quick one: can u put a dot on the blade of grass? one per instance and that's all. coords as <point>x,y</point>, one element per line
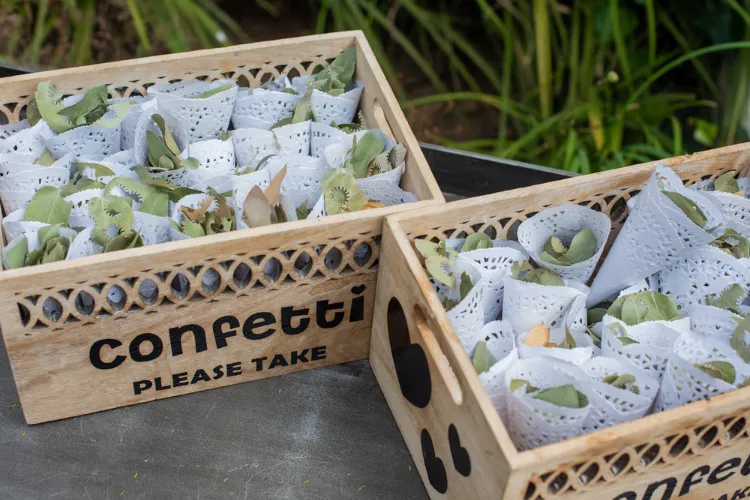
<point>573,113</point>
<point>651,21</point>
<point>140,26</point>
<point>322,17</point>
<point>676,136</point>
<point>543,56</point>
<point>32,53</point>
<point>514,109</point>
<point>226,20</point>
<point>574,54</point>
<point>622,53</point>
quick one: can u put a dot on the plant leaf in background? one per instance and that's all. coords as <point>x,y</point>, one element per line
<point>624,381</point>
<point>705,132</point>
<point>636,308</point>
<point>740,338</point>
<point>566,396</point>
<point>112,216</point>
<point>726,183</point>
<point>90,108</point>
<point>476,241</point>
<point>721,370</point>
<point>730,298</point>
<point>48,206</point>
<point>733,243</point>
<point>583,246</point>
<point>15,255</point>
<point>213,92</point>
<point>544,277</point>
<point>334,79</point>
<point>688,206</point>
<point>341,193</point>
<point>483,359</point>
<point>363,152</point>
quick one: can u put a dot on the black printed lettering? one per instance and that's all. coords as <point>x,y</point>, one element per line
<point>628,495</point>
<point>140,386</point>
<point>95,354</point>
<point>357,312</point>
<point>218,372</point>
<point>175,338</point>
<point>690,481</point>
<point>288,314</point>
<point>200,376</point>
<point>234,369</point>
<point>669,484</point>
<point>318,353</point>
<point>322,308</point>
<point>739,494</point>
<point>278,360</point>
<point>258,363</point>
<point>299,356</point>
<point>719,474</point>
<point>220,336</point>
<point>746,468</point>
<point>159,386</point>
<point>156,347</point>
<point>258,320</point>
<point>179,379</point>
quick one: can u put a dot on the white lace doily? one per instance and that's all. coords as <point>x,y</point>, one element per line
<point>262,107</point>
<point>501,342</point>
<point>216,160</point>
<point>79,214</point>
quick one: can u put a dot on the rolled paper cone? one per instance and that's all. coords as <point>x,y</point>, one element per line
<point>736,212</point>
<point>13,164</point>
<point>241,187</point>
<point>17,191</point>
<point>318,210</point>
<point>527,305</point>
<point>118,170</point>
<point>79,214</point>
<point>89,141</point>
<point>610,405</point>
<point>580,354</point>
<point>327,108</point>
<point>251,145</point>
<point>533,422</point>
<point>15,200</point>
<point>33,243</point>
<point>684,383</point>
<point>129,125</point>
<point>14,225</point>
<point>467,317</point>
<point>385,191</point>
<point>203,118</point>
<point>293,138</point>
<point>338,151</point>
<point>654,341</point>
<point>262,107</point>
<point>564,222</point>
<point>293,162</point>
<point>322,136</point>
<point>216,162</point>
<point>656,234</point>
<point>495,263</point>
<point>704,271</point>
<point>146,124</point>
<point>302,184</point>
<point>19,138</point>
<point>153,229</point>
<point>83,245</point>
<point>712,321</point>
<point>501,342</point>
<point>126,158</point>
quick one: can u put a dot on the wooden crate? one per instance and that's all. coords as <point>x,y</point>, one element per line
<point>700,451</point>
<point>154,347</point>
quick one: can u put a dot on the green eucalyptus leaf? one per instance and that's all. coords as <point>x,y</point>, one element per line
<point>45,159</point>
<point>566,396</point>
<point>190,163</point>
<point>544,277</point>
<point>92,99</point>
<point>192,229</point>
<point>583,246</point>
<point>441,268</point>
<point>465,285</point>
<point>364,151</point>
<point>55,250</point>
<point>348,128</point>
<point>721,370</point>
<point>47,233</point>
<point>476,241</point>
<point>121,110</point>
<point>636,308</point>
<point>726,183</point>
<point>517,383</point>
<point>32,113</point>
<point>123,241</point>
<point>34,258</point>
<point>303,211</point>
<point>283,122</point>
<point>625,381</point>
<point>596,314</point>
<point>49,104</point>
<point>303,110</point>
<point>337,75</point>
<point>483,359</point>
<point>520,268</point>
<point>688,206</point>
<point>733,243</point>
<point>15,256</point>
<point>341,193</point>
<point>569,342</point>
<point>213,92</point>
<point>99,169</point>
<point>739,336</point>
<point>730,298</point>
<point>48,206</point>
<point>594,338</point>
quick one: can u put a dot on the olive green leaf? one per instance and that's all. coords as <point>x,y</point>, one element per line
<point>45,159</point>
<point>594,337</point>
<point>688,206</point>
<point>15,256</point>
<point>110,212</point>
<point>301,111</point>
<point>583,246</point>
<point>91,102</point>
<point>730,298</point>
<point>619,332</point>
<point>363,152</point>
<point>429,249</point>
<point>334,79</point>
<point>483,359</point>
<point>53,246</point>
<point>123,241</point>
<point>49,104</point>
<point>721,370</point>
<point>465,285</point>
<point>636,308</point>
<point>625,381</point>
<point>348,128</point>
<point>566,396</point>
<point>99,169</point>
<point>192,229</point>
<point>341,193</point>
<point>32,113</point>
<point>154,201</point>
<point>303,211</point>
<point>545,277</point>
<point>726,183</point>
<point>520,268</point>
<point>121,110</point>
<point>569,342</point>
<point>48,206</point>
<point>387,160</point>
<point>80,184</point>
<point>739,336</point>
<point>476,241</point>
<point>213,92</point>
<point>173,191</point>
<point>597,313</point>
<point>212,216</point>
<point>517,383</point>
<point>163,151</point>
<point>441,268</point>
<point>733,243</point>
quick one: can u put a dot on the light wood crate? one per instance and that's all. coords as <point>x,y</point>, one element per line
<point>700,451</point>
<point>51,358</point>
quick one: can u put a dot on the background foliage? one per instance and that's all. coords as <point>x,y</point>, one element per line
<point>583,85</point>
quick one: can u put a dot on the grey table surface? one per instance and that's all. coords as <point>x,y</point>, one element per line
<point>318,434</point>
